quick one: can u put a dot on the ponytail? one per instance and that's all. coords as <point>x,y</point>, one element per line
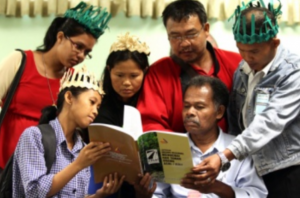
<point>48,113</point>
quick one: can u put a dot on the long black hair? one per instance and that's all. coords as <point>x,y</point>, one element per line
<point>115,57</point>
<point>68,26</point>
<point>51,112</point>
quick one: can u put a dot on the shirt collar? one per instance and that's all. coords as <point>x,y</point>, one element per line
<point>219,144</point>
<point>60,136</point>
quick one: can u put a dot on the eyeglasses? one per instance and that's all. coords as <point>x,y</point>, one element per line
<point>188,37</point>
<point>79,48</point>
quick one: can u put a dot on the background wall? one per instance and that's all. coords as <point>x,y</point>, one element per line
<point>28,33</point>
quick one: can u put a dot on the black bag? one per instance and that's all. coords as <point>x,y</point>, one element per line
<point>48,141</point>
<point>13,86</point>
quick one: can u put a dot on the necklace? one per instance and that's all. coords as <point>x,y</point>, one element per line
<point>49,87</point>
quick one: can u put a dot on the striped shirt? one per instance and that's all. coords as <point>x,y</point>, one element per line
<point>29,169</point>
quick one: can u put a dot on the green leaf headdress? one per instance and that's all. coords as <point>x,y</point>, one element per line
<point>268,29</point>
<point>92,18</point>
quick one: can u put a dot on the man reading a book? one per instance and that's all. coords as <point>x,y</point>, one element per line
<point>204,104</point>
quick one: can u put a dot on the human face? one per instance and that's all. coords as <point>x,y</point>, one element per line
<point>73,50</point>
<point>126,78</point>
<point>258,55</point>
<point>190,44</point>
<point>84,107</point>
<point>200,114</point>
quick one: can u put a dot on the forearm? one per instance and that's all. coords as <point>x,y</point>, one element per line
<point>222,190</point>
<point>62,178</point>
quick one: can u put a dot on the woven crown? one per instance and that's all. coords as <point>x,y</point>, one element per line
<point>131,43</point>
<point>94,19</point>
<point>271,29</point>
<point>81,78</point>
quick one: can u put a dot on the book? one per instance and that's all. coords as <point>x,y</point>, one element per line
<point>165,155</point>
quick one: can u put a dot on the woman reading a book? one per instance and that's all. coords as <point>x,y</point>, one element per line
<point>78,102</point>
<point>68,41</point>
<point>122,78</point>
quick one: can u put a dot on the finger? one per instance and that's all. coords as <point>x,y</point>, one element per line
<point>115,182</point>
<point>208,181</point>
<point>153,188</point>
<point>144,179</point>
<point>147,182</point>
<point>121,181</point>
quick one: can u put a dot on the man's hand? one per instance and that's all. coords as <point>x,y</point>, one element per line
<point>142,189</point>
<point>207,171</point>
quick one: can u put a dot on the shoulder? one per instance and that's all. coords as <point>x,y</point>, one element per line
<point>228,56</point>
<point>162,68</point>
<point>163,63</point>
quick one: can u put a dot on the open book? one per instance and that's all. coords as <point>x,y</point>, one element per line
<point>165,155</point>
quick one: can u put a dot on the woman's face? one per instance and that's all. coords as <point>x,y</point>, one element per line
<point>73,50</point>
<point>84,107</point>
<point>126,78</point>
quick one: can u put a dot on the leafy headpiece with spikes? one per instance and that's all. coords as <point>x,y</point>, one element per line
<point>93,18</point>
<point>267,31</point>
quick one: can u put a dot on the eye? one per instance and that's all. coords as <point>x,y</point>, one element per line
<point>120,75</point>
<point>79,46</point>
<point>93,102</point>
<point>199,107</point>
<point>134,75</point>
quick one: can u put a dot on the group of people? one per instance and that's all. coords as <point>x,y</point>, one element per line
<point>200,90</point>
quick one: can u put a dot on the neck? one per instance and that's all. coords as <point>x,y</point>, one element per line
<point>205,140</point>
<point>67,127</point>
<point>53,66</point>
<point>205,62</point>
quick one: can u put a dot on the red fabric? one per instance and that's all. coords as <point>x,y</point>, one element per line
<point>31,96</point>
<point>160,101</point>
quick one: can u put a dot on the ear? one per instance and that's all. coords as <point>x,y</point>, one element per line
<point>275,42</point>
<point>146,69</point>
<point>206,29</point>
<point>108,68</point>
<point>60,36</point>
<point>220,112</point>
<point>68,97</point>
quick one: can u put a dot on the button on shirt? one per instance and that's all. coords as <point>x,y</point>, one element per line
<point>253,80</point>
<point>241,175</point>
<point>29,169</point>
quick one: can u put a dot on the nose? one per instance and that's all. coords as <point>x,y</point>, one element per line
<point>126,82</point>
<point>190,112</point>
<point>184,42</point>
<point>247,57</point>
<point>95,111</point>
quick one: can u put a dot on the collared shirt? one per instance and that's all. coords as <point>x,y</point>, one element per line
<point>241,175</point>
<point>29,169</point>
<point>253,79</point>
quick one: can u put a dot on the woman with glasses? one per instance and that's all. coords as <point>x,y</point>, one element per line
<point>68,41</point>
<point>122,78</point>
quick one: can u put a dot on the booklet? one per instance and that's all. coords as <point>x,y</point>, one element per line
<point>165,155</point>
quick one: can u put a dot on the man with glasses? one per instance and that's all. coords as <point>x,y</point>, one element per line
<point>160,102</point>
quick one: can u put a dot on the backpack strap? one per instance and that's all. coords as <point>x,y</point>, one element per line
<point>13,87</point>
<point>49,143</point>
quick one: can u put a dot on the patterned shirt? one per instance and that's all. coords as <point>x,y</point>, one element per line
<point>29,169</point>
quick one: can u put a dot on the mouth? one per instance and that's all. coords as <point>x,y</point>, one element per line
<point>74,62</point>
<point>191,124</point>
<point>126,91</point>
<point>92,118</point>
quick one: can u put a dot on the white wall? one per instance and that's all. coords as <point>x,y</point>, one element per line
<point>28,33</point>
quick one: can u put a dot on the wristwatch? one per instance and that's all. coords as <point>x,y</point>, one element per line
<point>225,163</point>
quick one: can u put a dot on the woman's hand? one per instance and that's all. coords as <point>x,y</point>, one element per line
<point>142,189</point>
<point>91,153</point>
<point>110,186</point>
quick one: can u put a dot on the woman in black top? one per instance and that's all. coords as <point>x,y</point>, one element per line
<point>122,78</point>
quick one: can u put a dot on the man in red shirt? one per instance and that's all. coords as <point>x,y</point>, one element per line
<point>160,102</point>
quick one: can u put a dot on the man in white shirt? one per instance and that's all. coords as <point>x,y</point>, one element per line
<point>205,101</point>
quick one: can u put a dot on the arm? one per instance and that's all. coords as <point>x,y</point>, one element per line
<point>152,96</point>
<point>8,69</point>
<point>30,169</point>
<point>282,109</point>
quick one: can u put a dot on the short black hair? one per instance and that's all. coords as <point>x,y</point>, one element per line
<point>182,9</point>
<point>260,19</point>
<point>220,93</point>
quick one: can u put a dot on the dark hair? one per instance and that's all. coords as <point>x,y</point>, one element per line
<point>220,93</point>
<point>181,9</point>
<point>68,26</point>
<point>51,112</point>
<point>260,21</point>
<point>115,57</point>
